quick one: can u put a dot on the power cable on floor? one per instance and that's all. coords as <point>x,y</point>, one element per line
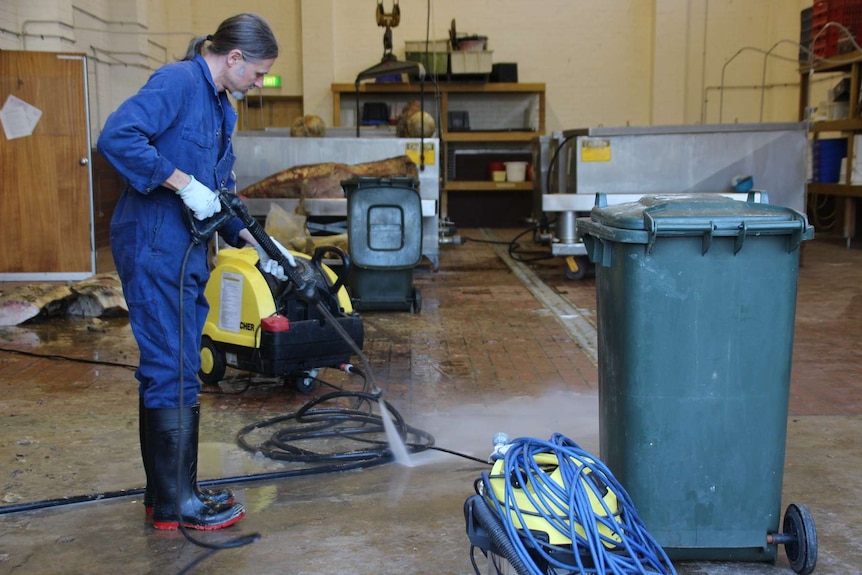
<point>515,249</point>
<point>320,424</point>
<point>246,379</point>
<point>67,358</point>
<point>338,463</point>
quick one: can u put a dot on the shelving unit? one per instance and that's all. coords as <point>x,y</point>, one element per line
<point>257,112</point>
<point>504,119</point>
<point>850,65</point>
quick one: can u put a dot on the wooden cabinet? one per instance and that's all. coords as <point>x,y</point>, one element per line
<point>477,123</point>
<point>257,112</point>
<point>845,191</point>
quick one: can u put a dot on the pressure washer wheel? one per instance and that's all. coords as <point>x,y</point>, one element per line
<point>802,550</point>
<point>213,364</point>
<point>305,381</point>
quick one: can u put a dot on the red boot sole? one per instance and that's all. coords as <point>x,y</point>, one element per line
<point>174,525</point>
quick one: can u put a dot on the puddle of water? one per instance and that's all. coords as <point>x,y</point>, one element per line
<point>470,429</point>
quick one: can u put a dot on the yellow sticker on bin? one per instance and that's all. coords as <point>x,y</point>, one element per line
<point>595,150</point>
<point>411,150</point>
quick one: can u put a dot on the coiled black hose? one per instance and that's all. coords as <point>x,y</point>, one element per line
<point>489,519</point>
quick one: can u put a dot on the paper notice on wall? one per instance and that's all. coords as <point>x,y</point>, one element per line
<point>19,118</point>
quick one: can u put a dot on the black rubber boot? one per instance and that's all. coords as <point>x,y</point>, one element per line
<point>176,497</point>
<point>207,495</point>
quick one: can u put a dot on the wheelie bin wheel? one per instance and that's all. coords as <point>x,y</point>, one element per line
<point>802,551</point>
<point>416,305</point>
<point>212,362</point>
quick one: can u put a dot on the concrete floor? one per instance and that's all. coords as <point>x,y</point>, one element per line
<point>498,346</point>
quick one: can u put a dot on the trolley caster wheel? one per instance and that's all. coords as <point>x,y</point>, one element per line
<point>416,305</point>
<point>213,366</point>
<point>576,267</point>
<point>305,381</point>
<point>802,550</point>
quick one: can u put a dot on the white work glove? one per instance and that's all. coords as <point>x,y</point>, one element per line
<point>271,266</point>
<point>202,201</point>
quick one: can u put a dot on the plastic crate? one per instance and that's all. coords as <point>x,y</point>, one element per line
<point>471,62</point>
<point>431,46</point>
<point>805,25</point>
<point>434,62</point>
<point>833,41</point>
<point>826,159</point>
<point>434,54</point>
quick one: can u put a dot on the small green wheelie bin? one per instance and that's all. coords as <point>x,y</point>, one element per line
<point>384,236</point>
<point>696,302</point>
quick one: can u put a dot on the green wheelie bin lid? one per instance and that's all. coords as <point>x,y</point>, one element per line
<point>703,214</point>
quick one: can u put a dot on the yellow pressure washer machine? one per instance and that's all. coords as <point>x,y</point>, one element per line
<point>276,328</point>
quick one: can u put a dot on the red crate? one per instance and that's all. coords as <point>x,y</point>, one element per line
<point>833,40</point>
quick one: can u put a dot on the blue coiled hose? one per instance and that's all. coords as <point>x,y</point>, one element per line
<point>613,541</point>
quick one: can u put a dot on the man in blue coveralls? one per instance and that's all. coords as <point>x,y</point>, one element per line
<point>172,143</point>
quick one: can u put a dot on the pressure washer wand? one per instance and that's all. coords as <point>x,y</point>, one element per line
<point>305,286</point>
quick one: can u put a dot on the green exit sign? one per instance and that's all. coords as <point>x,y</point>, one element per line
<point>271,81</point>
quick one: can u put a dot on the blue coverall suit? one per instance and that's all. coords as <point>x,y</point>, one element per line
<point>177,120</point>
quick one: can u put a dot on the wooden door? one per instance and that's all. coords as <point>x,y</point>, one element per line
<point>46,224</point>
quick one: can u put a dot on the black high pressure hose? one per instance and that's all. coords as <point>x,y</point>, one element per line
<point>201,231</point>
<point>492,523</point>
<point>325,419</point>
<point>242,540</point>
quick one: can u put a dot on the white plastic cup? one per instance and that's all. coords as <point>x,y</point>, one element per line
<point>516,171</point>
<point>348,118</point>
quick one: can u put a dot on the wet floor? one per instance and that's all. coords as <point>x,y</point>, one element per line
<point>498,346</point>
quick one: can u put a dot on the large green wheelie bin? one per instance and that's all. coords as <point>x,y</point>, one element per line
<point>696,301</point>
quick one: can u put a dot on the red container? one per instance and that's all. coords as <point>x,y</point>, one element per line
<point>495,167</point>
<point>833,40</point>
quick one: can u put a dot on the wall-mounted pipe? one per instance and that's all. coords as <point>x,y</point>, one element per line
<point>24,34</point>
<point>763,70</point>
<point>703,59</point>
<point>163,48</point>
<point>766,54</point>
<point>759,87</point>
<point>109,22</point>
<point>113,53</point>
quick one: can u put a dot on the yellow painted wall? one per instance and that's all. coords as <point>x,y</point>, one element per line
<point>605,62</point>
